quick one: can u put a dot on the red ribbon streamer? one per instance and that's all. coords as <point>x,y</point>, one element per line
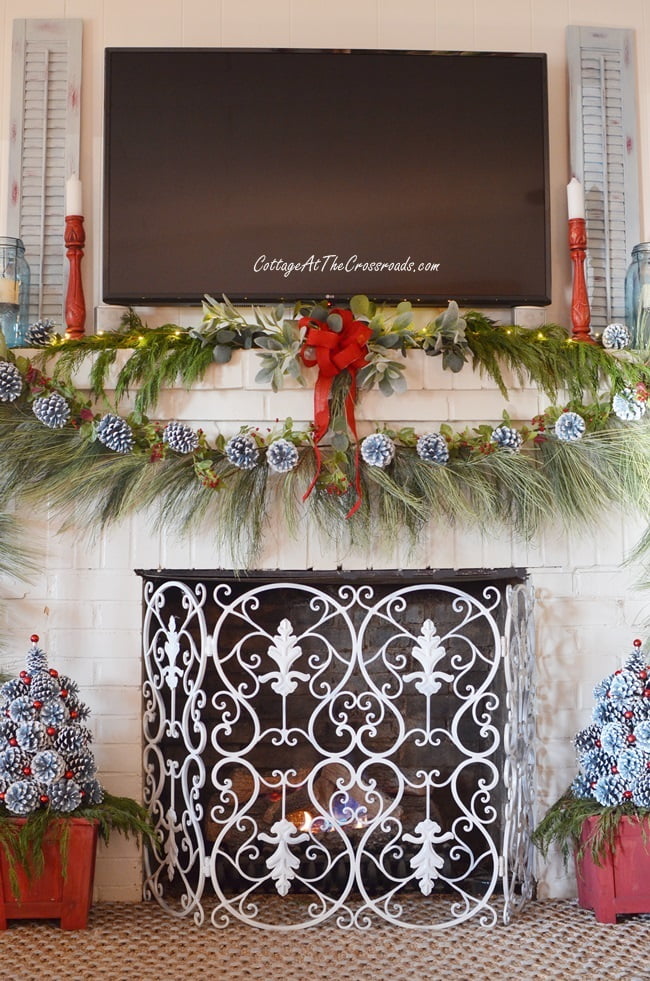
<point>334,352</point>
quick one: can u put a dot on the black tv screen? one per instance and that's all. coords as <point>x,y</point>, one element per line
<point>294,174</point>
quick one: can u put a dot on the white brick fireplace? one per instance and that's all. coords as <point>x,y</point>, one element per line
<point>86,601</point>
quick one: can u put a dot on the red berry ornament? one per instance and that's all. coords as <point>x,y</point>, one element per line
<point>34,638</point>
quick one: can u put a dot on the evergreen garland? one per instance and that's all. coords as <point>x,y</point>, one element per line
<point>235,486</point>
<point>167,355</point>
<point>479,485</point>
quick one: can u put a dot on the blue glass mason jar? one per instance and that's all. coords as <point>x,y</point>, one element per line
<point>14,291</point>
<point>637,296</point>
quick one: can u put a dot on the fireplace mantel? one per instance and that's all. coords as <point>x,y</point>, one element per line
<point>87,599</point>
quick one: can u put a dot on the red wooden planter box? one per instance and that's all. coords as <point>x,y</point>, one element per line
<point>621,884</point>
<point>54,895</point>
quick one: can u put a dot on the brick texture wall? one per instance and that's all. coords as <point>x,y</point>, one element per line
<point>85,603</point>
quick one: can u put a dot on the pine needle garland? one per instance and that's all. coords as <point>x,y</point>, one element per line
<point>481,485</point>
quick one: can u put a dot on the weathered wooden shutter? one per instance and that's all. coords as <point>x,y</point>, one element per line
<point>44,150</point>
<point>604,157</point>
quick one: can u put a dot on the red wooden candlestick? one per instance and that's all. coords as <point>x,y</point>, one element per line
<point>75,305</point>
<point>580,313</point>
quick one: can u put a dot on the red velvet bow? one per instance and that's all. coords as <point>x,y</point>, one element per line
<point>334,352</point>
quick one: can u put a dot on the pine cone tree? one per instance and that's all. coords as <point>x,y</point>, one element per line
<point>44,756</point>
<point>614,751</point>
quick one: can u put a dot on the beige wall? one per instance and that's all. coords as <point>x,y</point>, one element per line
<point>85,604</point>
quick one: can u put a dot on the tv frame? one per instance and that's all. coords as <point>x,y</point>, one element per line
<point>177,298</point>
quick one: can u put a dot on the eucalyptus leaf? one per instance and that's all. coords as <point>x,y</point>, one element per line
<point>399,384</point>
<point>340,441</point>
<point>221,353</point>
<point>226,335</point>
<point>319,313</point>
<point>405,307</point>
<point>269,343</point>
<point>265,374</point>
<point>404,320</point>
<point>453,361</point>
<point>449,317</point>
<point>388,340</point>
<point>335,322</point>
<point>386,386</point>
<point>365,376</point>
<point>360,305</point>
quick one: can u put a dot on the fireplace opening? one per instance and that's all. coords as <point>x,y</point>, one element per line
<point>333,736</point>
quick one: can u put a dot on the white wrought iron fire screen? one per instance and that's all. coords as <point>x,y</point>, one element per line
<point>354,746</point>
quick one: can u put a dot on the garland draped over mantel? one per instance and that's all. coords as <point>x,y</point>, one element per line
<point>95,466</point>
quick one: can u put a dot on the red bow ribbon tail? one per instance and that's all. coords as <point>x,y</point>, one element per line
<point>322,391</point>
<point>352,425</point>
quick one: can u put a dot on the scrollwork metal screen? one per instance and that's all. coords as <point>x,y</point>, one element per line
<point>342,749</point>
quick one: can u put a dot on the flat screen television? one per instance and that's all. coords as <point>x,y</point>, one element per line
<point>303,174</point>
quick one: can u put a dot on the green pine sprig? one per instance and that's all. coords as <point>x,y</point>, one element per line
<point>562,826</point>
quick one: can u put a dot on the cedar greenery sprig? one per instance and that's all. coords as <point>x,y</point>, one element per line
<point>159,356</point>
<point>550,358</point>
